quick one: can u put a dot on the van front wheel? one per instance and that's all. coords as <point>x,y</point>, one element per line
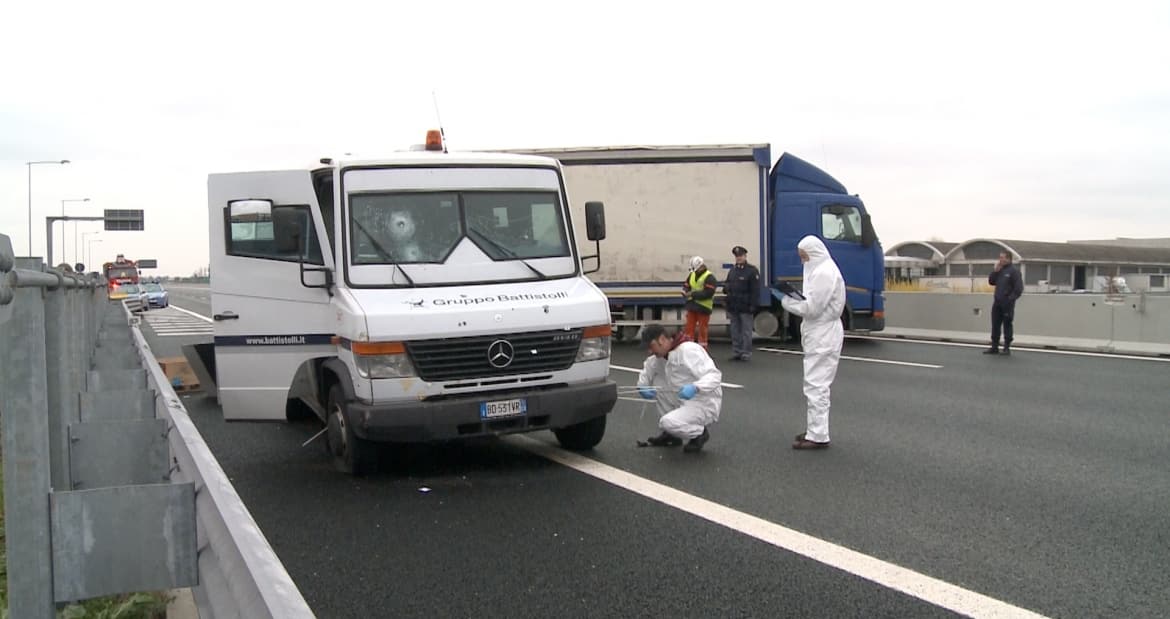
<point>582,436</point>
<point>350,454</point>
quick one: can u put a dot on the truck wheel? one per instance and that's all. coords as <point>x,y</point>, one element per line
<point>765,324</point>
<point>350,454</point>
<point>582,436</point>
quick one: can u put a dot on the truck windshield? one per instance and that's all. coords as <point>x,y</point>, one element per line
<point>425,227</point>
<point>120,273</point>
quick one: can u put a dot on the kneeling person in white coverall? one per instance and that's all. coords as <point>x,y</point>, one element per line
<point>683,380</point>
<point>821,335</point>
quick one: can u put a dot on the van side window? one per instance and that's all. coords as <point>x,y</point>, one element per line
<point>841,223</point>
<point>251,236</point>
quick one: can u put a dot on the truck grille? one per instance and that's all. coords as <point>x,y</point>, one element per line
<point>494,355</point>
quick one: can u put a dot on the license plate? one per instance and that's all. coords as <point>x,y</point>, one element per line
<point>502,408</point>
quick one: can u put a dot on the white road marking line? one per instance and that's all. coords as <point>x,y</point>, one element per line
<point>930,366</point>
<point>187,311</point>
<point>638,371</point>
<point>1049,351</point>
<point>907,581</point>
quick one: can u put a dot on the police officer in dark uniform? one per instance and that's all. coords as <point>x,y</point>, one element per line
<point>742,290</point>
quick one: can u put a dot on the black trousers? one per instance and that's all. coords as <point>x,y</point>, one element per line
<point>1001,318</point>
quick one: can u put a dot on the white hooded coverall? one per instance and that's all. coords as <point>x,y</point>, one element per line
<point>821,332</point>
<point>687,364</point>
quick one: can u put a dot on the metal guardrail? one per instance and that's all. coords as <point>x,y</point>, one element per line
<point>239,573</point>
<point>109,488</point>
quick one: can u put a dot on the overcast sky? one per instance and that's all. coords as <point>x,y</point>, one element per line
<point>1034,120</point>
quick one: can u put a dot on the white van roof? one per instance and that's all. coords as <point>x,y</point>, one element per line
<point>429,158</point>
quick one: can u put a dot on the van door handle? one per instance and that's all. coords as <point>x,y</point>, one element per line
<point>226,316</point>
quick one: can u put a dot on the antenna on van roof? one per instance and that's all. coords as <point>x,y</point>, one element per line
<point>442,134</point>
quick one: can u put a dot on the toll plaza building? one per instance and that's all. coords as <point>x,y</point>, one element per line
<point>1137,265</point>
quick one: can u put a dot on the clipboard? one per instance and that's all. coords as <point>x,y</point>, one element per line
<point>791,292</point>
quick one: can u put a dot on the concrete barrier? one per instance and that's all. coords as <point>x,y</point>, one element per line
<point>1133,323</point>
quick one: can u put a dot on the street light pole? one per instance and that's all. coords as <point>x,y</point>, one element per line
<point>89,250</point>
<point>30,164</point>
<point>83,241</point>
<point>74,229</point>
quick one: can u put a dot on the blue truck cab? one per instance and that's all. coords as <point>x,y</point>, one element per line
<point>803,199</point>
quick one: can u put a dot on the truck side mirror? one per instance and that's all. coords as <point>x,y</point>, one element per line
<point>595,221</point>
<point>868,234</point>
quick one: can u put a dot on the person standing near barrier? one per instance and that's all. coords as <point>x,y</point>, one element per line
<point>819,304</point>
<point>699,292</point>
<point>742,290</point>
<point>1009,285</point>
<point>686,386</point>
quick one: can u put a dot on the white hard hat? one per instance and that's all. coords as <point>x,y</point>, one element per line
<point>696,262</point>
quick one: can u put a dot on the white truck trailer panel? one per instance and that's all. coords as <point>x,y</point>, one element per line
<point>665,204</point>
<point>659,215</point>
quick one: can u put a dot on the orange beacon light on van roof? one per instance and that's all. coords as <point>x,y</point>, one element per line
<point>434,140</point>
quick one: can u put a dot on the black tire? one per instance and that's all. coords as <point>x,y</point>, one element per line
<point>582,436</point>
<point>350,454</point>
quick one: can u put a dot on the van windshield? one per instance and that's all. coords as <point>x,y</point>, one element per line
<point>425,227</point>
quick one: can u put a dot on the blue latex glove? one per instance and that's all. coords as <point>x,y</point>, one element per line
<point>688,392</point>
<point>647,393</point>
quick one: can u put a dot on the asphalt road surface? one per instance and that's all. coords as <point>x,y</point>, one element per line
<point>1038,482</point>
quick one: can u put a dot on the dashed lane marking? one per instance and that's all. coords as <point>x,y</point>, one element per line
<point>637,371</point>
<point>929,366</point>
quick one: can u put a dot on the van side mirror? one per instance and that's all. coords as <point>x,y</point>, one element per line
<point>595,221</point>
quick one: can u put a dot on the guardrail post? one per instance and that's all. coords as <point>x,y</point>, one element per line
<point>24,413</point>
<point>62,396</point>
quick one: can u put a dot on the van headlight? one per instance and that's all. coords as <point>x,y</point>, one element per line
<point>384,366</point>
<point>595,343</point>
<point>382,360</point>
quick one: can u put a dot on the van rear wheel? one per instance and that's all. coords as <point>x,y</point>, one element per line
<point>582,436</point>
<point>349,453</point>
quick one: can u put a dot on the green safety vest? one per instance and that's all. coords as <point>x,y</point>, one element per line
<point>697,285</point>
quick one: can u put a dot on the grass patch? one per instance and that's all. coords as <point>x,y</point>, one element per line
<point>129,606</point>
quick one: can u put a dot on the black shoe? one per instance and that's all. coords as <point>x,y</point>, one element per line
<point>735,358</point>
<point>697,443</point>
<point>662,440</point>
<point>991,351</point>
<point>1006,351</point>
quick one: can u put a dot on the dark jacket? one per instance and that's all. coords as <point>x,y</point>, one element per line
<point>742,288</point>
<point>706,291</point>
<point>1009,285</point>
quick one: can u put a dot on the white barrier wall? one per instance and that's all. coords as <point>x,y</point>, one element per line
<point>1122,318</point>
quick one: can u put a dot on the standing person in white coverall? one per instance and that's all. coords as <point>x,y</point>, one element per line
<point>821,335</point>
<point>683,380</point>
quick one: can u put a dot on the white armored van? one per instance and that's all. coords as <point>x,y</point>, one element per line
<point>428,296</point>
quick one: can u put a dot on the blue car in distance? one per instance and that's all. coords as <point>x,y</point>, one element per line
<point>156,295</point>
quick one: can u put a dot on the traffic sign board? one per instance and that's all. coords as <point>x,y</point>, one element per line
<point>123,219</point>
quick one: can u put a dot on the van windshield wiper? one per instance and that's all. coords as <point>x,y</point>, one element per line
<point>382,252</point>
<point>508,253</point>
<point>409,279</point>
<point>373,241</point>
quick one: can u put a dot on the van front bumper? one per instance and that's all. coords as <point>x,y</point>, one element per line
<point>459,416</point>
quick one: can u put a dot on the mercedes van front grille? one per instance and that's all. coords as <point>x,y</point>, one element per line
<point>494,355</point>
